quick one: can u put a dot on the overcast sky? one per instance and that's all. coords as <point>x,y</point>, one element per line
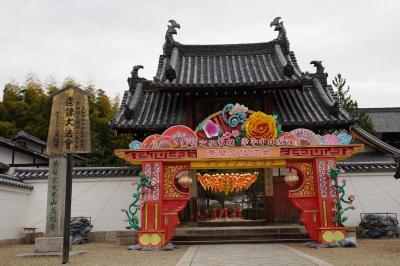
<point>99,41</point>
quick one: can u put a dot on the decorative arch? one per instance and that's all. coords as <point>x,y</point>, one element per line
<point>180,149</point>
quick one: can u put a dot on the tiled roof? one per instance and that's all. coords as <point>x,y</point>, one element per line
<point>386,120</point>
<point>228,65</point>
<point>79,172</point>
<point>23,135</point>
<point>371,161</point>
<point>300,99</point>
<point>309,107</point>
<point>381,159</point>
<point>13,182</point>
<point>369,167</point>
<point>373,141</point>
<point>153,110</point>
<point>158,110</point>
<point>15,145</point>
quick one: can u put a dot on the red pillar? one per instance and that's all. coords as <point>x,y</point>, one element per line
<point>315,198</point>
<point>329,230</point>
<point>161,203</point>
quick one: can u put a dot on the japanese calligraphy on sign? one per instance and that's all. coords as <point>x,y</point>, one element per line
<point>69,129</point>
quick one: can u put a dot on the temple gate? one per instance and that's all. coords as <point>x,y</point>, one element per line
<point>237,138</point>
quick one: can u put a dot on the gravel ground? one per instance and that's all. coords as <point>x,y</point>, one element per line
<point>369,252</point>
<point>97,254</point>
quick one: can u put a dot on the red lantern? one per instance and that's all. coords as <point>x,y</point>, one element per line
<point>291,179</point>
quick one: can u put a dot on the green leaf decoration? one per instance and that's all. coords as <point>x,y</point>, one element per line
<point>201,126</point>
<point>237,140</point>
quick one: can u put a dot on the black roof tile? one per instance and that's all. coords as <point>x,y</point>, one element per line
<point>78,172</point>
<point>385,120</point>
<point>13,182</point>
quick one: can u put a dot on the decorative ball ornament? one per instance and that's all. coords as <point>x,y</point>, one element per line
<point>185,181</point>
<point>291,179</point>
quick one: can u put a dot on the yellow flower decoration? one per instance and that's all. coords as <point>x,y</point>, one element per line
<point>260,125</point>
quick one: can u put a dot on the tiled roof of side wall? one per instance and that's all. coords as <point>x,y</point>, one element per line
<point>13,182</point>
<point>79,172</point>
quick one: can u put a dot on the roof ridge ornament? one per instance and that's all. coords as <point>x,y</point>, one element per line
<point>171,30</point>
<point>135,71</point>
<point>320,73</point>
<point>281,31</point>
<point>134,78</point>
<point>169,38</point>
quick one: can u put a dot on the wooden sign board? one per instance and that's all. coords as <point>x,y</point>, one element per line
<point>69,129</point>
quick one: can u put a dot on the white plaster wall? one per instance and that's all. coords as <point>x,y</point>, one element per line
<point>5,155</point>
<point>22,158</point>
<point>98,198</point>
<point>13,210</point>
<point>375,192</point>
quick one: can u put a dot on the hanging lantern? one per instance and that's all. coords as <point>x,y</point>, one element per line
<point>228,182</point>
<point>291,179</point>
<point>185,181</point>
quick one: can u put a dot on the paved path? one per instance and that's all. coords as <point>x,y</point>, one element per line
<point>247,254</point>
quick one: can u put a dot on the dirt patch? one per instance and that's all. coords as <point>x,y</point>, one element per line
<point>97,254</point>
<point>369,252</point>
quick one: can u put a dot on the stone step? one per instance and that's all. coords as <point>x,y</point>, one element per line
<point>250,230</point>
<point>240,241</point>
<point>240,236</point>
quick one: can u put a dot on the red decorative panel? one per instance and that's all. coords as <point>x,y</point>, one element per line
<point>161,155</point>
<point>316,151</point>
<point>307,186</point>
<point>315,199</point>
<point>170,189</point>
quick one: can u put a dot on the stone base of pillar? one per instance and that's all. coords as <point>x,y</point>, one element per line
<point>49,244</point>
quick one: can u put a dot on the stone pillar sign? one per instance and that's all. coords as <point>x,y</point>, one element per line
<point>69,133</point>
<point>56,196</point>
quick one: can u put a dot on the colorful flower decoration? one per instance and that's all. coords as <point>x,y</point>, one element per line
<point>344,138</point>
<point>158,142</point>
<point>330,139</point>
<point>306,136</point>
<point>134,145</point>
<point>238,108</point>
<point>339,209</point>
<point>288,139</point>
<point>237,114</point>
<point>260,125</point>
<point>211,129</point>
<point>180,134</point>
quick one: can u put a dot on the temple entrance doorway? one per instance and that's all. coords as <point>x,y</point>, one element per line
<point>230,197</point>
<point>261,202</point>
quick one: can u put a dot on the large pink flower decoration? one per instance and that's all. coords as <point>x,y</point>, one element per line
<point>211,129</point>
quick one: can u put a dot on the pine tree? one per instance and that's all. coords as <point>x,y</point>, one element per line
<point>350,105</point>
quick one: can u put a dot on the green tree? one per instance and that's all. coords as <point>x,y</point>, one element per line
<point>7,129</point>
<point>27,107</point>
<point>350,105</point>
